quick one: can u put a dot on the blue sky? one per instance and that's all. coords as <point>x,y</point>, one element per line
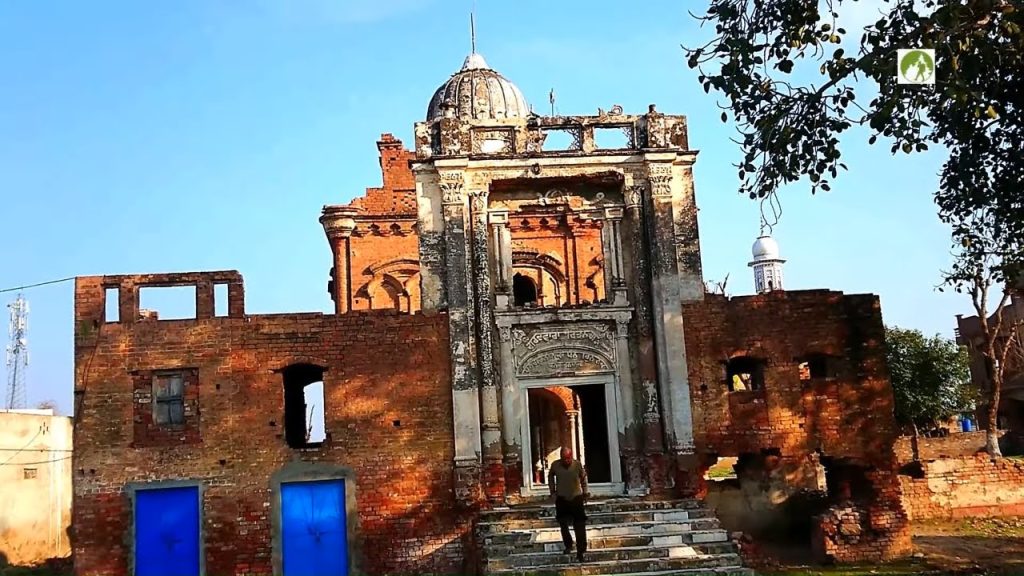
<point>207,134</point>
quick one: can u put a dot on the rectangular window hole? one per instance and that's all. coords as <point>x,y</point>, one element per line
<point>167,303</point>
<point>558,140</point>
<point>617,138</point>
<point>220,300</point>
<point>112,305</point>
<point>31,473</point>
<point>169,399</point>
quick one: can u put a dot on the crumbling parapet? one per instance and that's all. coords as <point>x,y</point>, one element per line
<point>451,137</point>
<point>91,295</point>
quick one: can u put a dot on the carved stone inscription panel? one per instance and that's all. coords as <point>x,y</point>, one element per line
<point>563,349</point>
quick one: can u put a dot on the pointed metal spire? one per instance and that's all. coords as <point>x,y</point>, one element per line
<point>472,28</point>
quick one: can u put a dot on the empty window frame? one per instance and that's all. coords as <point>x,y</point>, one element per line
<point>304,405</point>
<point>815,366</point>
<point>745,374</point>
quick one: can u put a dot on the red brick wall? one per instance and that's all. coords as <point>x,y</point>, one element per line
<point>374,247</point>
<point>385,239</point>
<point>388,414</point>
<point>575,254</point>
<point>952,446</point>
<point>965,486</point>
<point>846,414</point>
<point>849,414</point>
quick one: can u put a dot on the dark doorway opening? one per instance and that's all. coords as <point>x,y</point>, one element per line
<point>524,290</point>
<point>593,410</point>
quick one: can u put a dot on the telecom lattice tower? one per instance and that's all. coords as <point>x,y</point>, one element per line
<point>17,353</point>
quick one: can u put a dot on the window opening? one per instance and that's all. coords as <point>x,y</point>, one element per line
<point>168,302</point>
<point>304,407</point>
<point>745,374</point>
<point>524,290</point>
<point>559,140</point>
<point>112,305</point>
<point>220,300</point>
<point>169,399</point>
<point>613,138</point>
<point>814,367</point>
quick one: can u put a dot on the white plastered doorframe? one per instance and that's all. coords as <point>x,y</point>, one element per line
<point>611,402</point>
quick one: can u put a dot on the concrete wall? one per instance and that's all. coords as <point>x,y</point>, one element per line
<point>35,486</point>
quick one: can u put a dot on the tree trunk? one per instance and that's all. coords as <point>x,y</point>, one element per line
<point>992,430</point>
<point>914,447</point>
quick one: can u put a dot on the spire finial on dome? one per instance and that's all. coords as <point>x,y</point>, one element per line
<point>472,29</point>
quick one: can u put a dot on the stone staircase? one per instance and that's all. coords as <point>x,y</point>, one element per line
<point>643,538</point>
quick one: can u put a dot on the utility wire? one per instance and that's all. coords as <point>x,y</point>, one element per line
<point>61,459</point>
<point>17,288</point>
<point>23,448</point>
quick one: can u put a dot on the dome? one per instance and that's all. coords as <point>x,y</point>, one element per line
<point>765,248</point>
<point>477,93</point>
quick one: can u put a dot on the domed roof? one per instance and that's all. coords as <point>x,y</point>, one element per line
<point>765,248</point>
<point>478,92</point>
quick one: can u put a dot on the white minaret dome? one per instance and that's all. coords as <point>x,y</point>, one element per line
<point>765,247</point>
<point>767,264</point>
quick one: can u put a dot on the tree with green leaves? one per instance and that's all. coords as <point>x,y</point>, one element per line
<point>931,378</point>
<point>795,79</point>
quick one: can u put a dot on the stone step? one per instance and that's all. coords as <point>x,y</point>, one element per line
<point>531,545</point>
<point>727,571</point>
<point>609,505</point>
<point>701,531</point>
<point>528,542</point>
<point>574,570</point>
<point>628,566</point>
<point>599,554</point>
<point>703,517</point>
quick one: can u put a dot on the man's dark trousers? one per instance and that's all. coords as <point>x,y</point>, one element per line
<point>572,511</point>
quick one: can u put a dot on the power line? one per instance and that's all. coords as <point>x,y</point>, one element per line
<point>23,448</point>
<point>62,458</point>
<point>48,282</point>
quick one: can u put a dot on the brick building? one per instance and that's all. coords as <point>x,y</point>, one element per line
<point>497,297</point>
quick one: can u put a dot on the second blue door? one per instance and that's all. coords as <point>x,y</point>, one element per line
<point>313,528</point>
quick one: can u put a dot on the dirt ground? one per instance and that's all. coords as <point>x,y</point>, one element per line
<point>983,547</point>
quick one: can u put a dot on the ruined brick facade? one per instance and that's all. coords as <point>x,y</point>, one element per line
<point>383,420</point>
<point>488,283</point>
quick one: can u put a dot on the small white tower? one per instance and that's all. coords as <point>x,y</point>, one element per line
<point>767,264</point>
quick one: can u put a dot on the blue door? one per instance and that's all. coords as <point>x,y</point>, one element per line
<point>167,532</point>
<point>313,528</point>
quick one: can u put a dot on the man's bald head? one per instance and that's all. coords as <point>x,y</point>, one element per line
<point>566,455</point>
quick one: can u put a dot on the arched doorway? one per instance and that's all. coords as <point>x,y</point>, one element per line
<point>524,290</point>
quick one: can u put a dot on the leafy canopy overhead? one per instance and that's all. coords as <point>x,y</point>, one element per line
<point>930,377</point>
<point>796,79</point>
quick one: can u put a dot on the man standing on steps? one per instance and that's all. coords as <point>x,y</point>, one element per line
<point>568,483</point>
